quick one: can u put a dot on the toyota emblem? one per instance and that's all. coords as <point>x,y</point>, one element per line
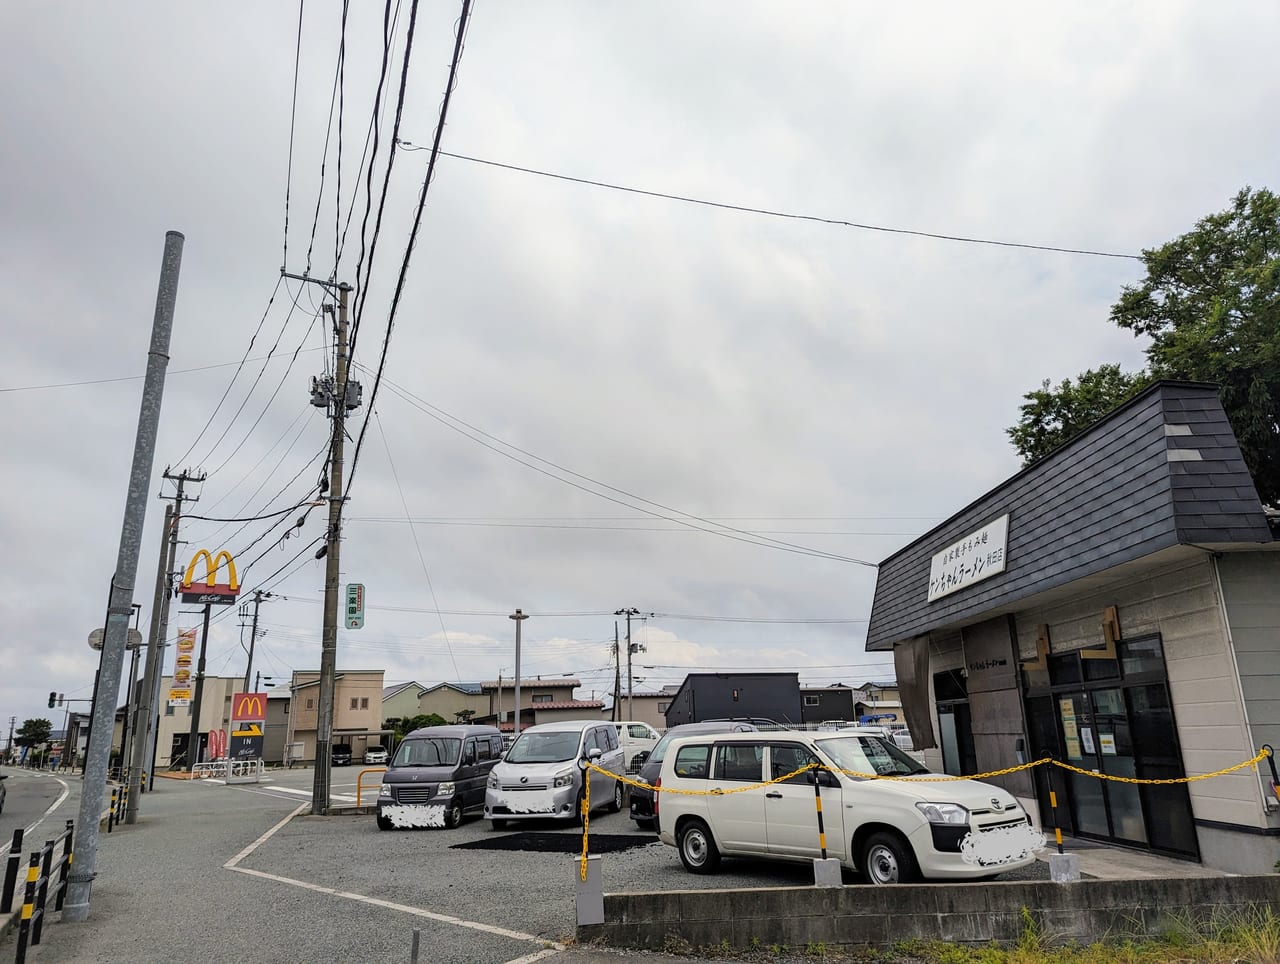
<point>995,802</point>
<point>524,779</point>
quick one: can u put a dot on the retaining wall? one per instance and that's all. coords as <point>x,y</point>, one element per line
<point>1084,911</point>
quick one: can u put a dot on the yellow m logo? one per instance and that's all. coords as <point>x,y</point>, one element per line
<point>212,565</point>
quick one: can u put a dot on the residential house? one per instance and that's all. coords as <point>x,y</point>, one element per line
<point>357,711</point>
<point>448,700</point>
<point>713,696</point>
<point>541,701</point>
<point>400,701</point>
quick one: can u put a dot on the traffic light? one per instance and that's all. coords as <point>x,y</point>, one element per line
<point>53,697</point>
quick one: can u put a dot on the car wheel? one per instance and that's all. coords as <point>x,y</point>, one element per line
<point>385,824</point>
<point>887,859</point>
<point>616,803</point>
<point>498,823</point>
<point>453,815</point>
<point>577,808</point>
<point>698,851</point>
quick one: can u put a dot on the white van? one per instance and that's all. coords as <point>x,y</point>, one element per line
<point>635,737</point>
<point>890,831</point>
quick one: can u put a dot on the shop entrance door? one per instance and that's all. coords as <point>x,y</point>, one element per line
<point>1112,718</point>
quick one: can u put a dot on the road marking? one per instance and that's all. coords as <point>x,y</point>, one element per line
<point>307,793</point>
<point>552,947</point>
<point>529,958</point>
<point>66,790</point>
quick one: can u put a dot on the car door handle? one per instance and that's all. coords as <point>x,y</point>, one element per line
<point>774,795</point>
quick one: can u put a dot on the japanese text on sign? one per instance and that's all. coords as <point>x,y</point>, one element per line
<point>977,556</point>
<point>355,605</point>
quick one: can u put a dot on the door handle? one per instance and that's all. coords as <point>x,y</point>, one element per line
<point>774,795</point>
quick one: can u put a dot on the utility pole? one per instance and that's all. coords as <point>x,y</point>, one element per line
<point>617,674</point>
<point>80,881</point>
<point>258,596</point>
<point>193,738</point>
<point>338,395</point>
<point>631,699</point>
<point>519,617</point>
<point>8,747</point>
<point>153,671</point>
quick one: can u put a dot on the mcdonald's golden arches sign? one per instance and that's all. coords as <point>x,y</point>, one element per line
<point>211,592</point>
<point>248,707</point>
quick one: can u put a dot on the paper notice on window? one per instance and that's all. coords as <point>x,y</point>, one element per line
<point>1086,737</point>
<point>1073,748</point>
<point>1107,743</point>
<point>1069,729</point>
<point>1068,708</point>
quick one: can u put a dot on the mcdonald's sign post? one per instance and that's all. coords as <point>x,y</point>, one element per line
<point>248,713</point>
<point>211,592</point>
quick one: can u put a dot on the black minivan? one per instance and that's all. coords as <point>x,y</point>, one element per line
<point>340,754</point>
<point>437,776</point>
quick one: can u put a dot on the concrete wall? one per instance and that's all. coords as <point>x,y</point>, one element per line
<point>794,917</point>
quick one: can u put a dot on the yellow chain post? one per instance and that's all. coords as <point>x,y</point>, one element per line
<point>586,812</point>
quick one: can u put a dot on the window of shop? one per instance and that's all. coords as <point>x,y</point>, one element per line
<point>1111,716</point>
<point>955,728</point>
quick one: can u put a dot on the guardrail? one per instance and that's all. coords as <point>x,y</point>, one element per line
<point>360,780</point>
<point>40,872</point>
<point>119,801</point>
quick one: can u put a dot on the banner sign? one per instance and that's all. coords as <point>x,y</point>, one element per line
<point>210,592</point>
<point>187,640</point>
<point>247,740</point>
<point>978,556</point>
<point>355,605</point>
<point>179,697</point>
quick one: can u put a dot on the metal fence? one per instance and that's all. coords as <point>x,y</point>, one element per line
<point>46,880</point>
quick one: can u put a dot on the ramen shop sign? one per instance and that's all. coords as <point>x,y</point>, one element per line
<point>978,556</point>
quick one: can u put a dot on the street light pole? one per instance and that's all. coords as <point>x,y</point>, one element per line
<point>519,617</point>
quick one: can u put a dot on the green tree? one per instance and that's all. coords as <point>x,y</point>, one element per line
<point>464,716</point>
<point>33,733</point>
<point>419,721</point>
<point>1210,303</point>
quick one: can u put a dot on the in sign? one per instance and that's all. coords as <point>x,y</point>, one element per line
<point>355,605</point>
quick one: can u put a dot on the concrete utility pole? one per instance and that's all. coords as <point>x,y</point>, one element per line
<point>80,882</point>
<point>258,596</point>
<point>339,396</point>
<point>617,675</point>
<point>631,699</point>
<point>193,737</point>
<point>519,617</point>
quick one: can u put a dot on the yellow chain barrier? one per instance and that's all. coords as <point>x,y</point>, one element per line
<point>1261,755</point>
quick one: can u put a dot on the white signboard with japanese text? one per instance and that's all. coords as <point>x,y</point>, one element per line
<point>974,558</point>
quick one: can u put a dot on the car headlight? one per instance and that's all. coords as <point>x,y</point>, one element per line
<point>444,790</point>
<point>384,790</point>
<point>945,813</point>
<point>563,780</point>
<point>492,783</point>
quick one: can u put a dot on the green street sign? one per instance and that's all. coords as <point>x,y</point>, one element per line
<point>355,605</point>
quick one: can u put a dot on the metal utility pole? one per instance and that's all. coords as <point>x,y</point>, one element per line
<point>258,596</point>
<point>519,617</point>
<point>80,882</point>
<point>130,700</point>
<point>631,699</point>
<point>193,739</point>
<point>144,726</point>
<point>339,395</point>
<point>8,747</point>
<point>617,675</point>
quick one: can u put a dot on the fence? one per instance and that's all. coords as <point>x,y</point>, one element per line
<point>41,871</point>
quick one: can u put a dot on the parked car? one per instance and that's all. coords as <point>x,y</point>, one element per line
<point>375,753</point>
<point>340,754</point>
<point>891,831</point>
<point>437,776</point>
<point>642,811</point>
<point>636,738</point>
<point>541,775</point>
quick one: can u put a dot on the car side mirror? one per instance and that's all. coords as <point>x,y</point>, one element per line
<point>641,758</point>
<point>824,778</point>
<point>594,753</point>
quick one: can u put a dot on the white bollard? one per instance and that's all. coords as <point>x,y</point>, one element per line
<point>590,892</point>
<point>1064,868</point>
<point>826,873</point>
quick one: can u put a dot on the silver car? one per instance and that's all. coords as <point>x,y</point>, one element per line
<point>541,775</point>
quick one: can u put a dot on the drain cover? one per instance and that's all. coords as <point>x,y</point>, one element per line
<point>559,843</point>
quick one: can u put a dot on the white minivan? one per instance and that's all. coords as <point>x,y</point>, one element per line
<point>636,738</point>
<point>890,831</point>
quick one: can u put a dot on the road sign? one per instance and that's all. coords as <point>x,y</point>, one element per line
<point>132,641</point>
<point>355,605</point>
<point>245,747</point>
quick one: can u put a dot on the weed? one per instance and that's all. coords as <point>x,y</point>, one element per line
<point>755,944</point>
<point>816,949</point>
<point>676,945</point>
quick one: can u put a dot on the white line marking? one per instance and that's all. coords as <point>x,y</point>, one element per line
<point>40,819</point>
<point>233,865</point>
<point>307,793</point>
<point>529,958</point>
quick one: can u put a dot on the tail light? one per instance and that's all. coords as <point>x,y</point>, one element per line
<point>657,785</point>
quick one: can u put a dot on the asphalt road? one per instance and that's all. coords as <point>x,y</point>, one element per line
<point>29,795</point>
<point>225,873</point>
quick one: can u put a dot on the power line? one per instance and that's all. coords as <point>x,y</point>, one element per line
<point>838,222</point>
<point>463,20</point>
<point>719,529</point>
<point>293,117</point>
<point>606,528</point>
<point>134,378</point>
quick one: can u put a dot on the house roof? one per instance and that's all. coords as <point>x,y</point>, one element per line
<point>556,683</point>
<point>390,691</point>
<point>569,705</point>
<point>471,689</point>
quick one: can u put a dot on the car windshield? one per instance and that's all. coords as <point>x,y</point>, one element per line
<point>377,749</point>
<point>544,747</point>
<point>870,754</point>
<point>433,751</point>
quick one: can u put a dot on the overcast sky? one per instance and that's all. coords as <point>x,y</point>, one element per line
<point>565,358</point>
